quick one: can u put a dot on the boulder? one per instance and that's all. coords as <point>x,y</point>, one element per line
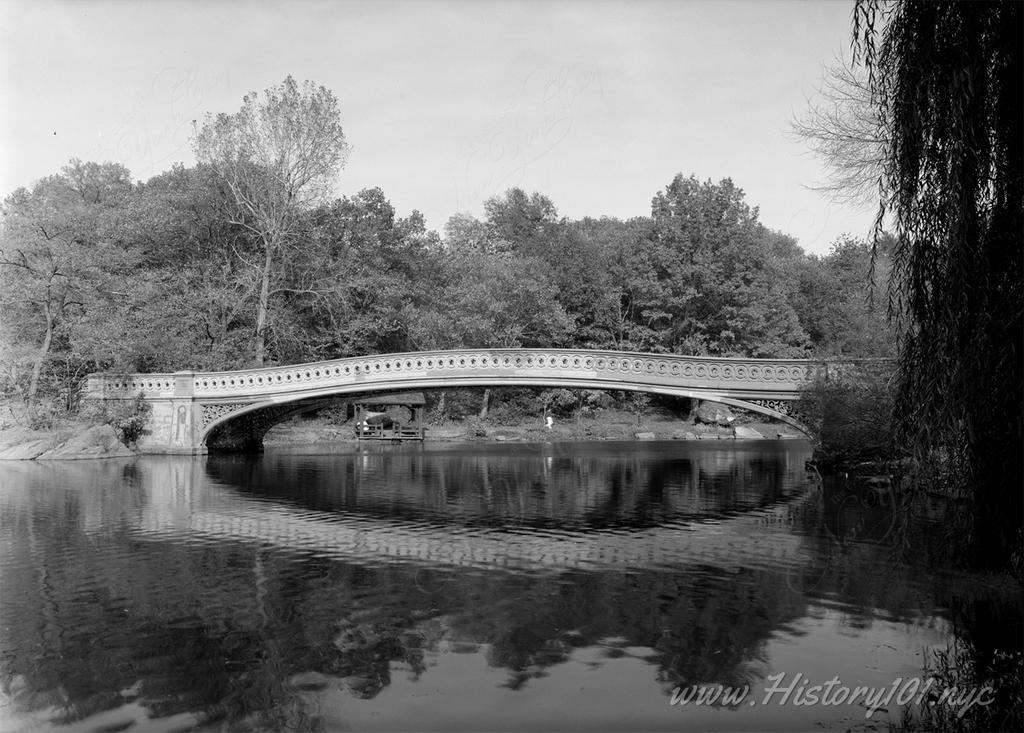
<point>742,432</point>
<point>380,418</point>
<point>308,681</point>
<point>713,413</point>
<point>358,685</point>
<point>26,451</point>
<point>99,441</point>
<point>644,436</point>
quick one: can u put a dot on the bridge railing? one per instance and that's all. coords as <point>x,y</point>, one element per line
<point>614,366</point>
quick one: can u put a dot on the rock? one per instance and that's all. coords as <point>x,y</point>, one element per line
<point>358,685</point>
<point>308,681</point>
<point>644,436</point>
<point>684,435</point>
<point>713,413</point>
<point>356,637</point>
<point>179,723</point>
<point>27,451</point>
<point>742,432</point>
<point>99,441</point>
<point>18,688</point>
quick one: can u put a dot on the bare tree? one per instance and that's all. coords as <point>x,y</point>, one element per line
<point>279,155</point>
<point>843,128</point>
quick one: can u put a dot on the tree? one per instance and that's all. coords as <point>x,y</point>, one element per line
<point>487,296</point>
<point>494,298</point>
<point>843,129</point>
<point>525,221</point>
<point>367,269</point>
<point>599,274</point>
<point>840,300</point>
<point>186,303</point>
<point>278,157</point>
<point>61,241</point>
<point>719,281</point>
<point>947,80</point>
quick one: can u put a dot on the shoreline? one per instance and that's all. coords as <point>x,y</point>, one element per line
<point>82,440</point>
<point>72,440</point>
<point>307,432</point>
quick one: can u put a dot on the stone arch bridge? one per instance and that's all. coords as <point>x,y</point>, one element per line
<point>193,412</point>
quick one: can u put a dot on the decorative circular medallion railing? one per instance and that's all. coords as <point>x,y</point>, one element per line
<point>772,375</point>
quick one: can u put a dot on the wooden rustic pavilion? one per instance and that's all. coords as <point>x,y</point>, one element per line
<point>390,429</point>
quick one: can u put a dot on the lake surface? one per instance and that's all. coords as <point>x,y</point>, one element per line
<point>457,587</point>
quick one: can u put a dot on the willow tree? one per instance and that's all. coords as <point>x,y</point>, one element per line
<point>278,156</point>
<point>947,81</point>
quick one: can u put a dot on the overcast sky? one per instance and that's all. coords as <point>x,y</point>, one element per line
<point>595,104</point>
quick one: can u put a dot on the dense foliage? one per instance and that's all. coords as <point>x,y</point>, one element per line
<point>99,273</point>
<point>247,259</point>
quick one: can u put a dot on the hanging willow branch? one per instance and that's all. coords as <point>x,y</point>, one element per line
<point>946,78</point>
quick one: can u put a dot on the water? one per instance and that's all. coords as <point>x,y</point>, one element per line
<point>469,587</point>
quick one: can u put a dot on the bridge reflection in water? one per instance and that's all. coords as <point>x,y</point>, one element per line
<point>502,510</point>
<point>221,589</point>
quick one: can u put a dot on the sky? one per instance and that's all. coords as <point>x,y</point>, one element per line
<point>596,104</point>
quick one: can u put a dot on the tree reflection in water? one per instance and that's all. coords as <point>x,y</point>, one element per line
<point>112,599</point>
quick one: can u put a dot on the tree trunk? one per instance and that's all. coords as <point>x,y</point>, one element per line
<point>485,402</point>
<point>44,350</point>
<point>260,340</point>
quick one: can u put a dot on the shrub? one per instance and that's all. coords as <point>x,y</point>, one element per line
<point>956,668</point>
<point>126,417</point>
<point>849,414</point>
<point>334,415</point>
<point>42,416</point>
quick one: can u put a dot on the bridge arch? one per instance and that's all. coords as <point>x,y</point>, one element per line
<point>244,429</point>
<point>190,408</point>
